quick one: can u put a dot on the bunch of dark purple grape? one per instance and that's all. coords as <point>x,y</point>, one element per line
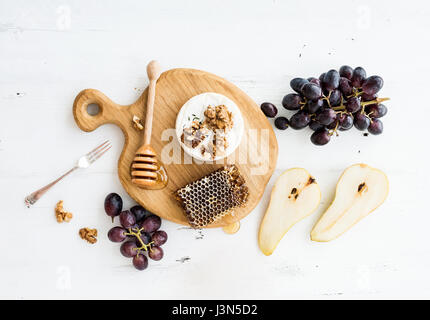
<point>140,229</point>
<point>337,101</point>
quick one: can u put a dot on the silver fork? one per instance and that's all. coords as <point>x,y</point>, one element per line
<point>83,162</point>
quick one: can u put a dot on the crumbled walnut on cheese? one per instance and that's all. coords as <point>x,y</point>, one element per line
<point>194,135</point>
<point>219,121</point>
<point>136,123</point>
<point>219,118</point>
<point>88,234</point>
<point>61,214</point>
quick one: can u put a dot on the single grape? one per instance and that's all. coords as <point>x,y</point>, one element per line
<point>368,97</point>
<point>313,106</point>
<point>352,104</point>
<point>345,86</point>
<point>139,212</point>
<point>314,80</point>
<point>315,125</point>
<point>281,123</point>
<point>358,76</point>
<point>346,121</point>
<point>361,121</point>
<point>335,97</point>
<point>376,110</point>
<point>372,85</point>
<point>320,137</point>
<point>117,234</point>
<point>129,249</point>
<point>376,127</point>
<point>151,223</point>
<point>297,84</point>
<point>326,116</point>
<point>127,219</point>
<point>113,205</point>
<point>269,109</point>
<point>326,92</point>
<point>346,72</point>
<point>156,253</point>
<point>321,78</point>
<point>140,262</point>
<point>312,91</point>
<point>159,237</point>
<point>331,80</point>
<point>292,101</point>
<point>300,120</point>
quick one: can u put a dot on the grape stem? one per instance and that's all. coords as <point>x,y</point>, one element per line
<point>377,100</point>
<point>303,104</point>
<point>332,132</point>
<point>356,93</point>
<point>366,103</point>
<point>137,234</point>
<point>327,98</point>
<point>339,108</point>
<point>363,104</point>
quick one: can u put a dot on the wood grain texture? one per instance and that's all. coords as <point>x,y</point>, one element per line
<point>174,88</point>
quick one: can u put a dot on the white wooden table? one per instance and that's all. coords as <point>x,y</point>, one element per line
<point>49,51</point>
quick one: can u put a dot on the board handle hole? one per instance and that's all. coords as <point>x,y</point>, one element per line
<point>93,109</point>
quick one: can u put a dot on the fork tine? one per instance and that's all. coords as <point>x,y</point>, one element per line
<point>100,154</point>
<point>96,148</point>
<point>99,150</point>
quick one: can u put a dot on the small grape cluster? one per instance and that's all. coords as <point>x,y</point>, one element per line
<point>336,101</point>
<point>140,229</point>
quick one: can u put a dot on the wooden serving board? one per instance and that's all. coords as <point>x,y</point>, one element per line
<point>174,88</point>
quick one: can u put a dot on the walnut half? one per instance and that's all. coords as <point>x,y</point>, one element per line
<point>88,234</point>
<point>61,214</point>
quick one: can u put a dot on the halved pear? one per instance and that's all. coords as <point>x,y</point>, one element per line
<point>294,196</point>
<point>359,191</point>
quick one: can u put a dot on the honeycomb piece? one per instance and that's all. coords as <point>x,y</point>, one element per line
<point>213,196</point>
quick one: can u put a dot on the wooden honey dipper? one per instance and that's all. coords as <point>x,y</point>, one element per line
<point>146,170</point>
